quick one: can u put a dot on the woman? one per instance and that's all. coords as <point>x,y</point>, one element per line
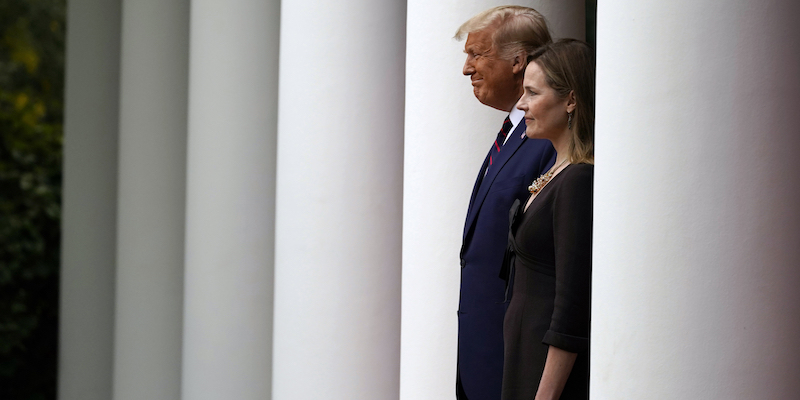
<point>546,327</point>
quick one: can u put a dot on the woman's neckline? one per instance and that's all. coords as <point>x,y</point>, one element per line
<point>529,202</point>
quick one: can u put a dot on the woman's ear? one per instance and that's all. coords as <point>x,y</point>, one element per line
<point>571,102</point>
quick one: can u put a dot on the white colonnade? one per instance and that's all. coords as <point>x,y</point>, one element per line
<point>233,97</point>
<point>697,189</point>
<point>376,129</point>
<point>339,200</point>
<point>448,133</point>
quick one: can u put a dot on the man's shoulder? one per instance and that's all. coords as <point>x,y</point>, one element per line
<point>534,149</point>
<point>532,157</point>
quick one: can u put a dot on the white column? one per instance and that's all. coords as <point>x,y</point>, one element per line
<point>339,194</point>
<point>697,223</point>
<point>152,164</point>
<point>88,244</point>
<point>448,133</point>
<point>230,200</point>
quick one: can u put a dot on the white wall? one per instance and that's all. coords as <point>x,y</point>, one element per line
<point>448,133</point>
<point>696,193</point>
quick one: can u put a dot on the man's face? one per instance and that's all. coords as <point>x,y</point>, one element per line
<point>493,79</point>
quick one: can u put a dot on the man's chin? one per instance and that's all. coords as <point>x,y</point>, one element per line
<point>483,98</point>
<point>492,104</point>
<point>478,95</point>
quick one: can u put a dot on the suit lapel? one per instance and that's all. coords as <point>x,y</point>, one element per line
<point>482,186</point>
<point>475,188</point>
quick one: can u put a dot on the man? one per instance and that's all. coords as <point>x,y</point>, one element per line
<point>498,42</point>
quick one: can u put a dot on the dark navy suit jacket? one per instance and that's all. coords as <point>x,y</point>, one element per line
<point>481,306</point>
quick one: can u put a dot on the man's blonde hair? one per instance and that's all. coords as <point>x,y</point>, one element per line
<point>519,29</point>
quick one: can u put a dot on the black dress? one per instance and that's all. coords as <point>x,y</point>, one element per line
<point>551,297</point>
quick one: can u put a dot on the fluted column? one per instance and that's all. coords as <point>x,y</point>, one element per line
<point>448,133</point>
<point>697,223</point>
<point>339,196</point>
<point>151,205</point>
<point>88,224</point>
<point>230,200</point>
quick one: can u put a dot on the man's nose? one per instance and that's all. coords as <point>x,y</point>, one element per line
<point>469,69</point>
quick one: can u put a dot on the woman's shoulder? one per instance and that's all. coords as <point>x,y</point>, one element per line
<point>580,168</point>
<point>578,171</point>
<point>576,177</point>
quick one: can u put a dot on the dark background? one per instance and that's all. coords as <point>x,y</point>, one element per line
<point>31,94</point>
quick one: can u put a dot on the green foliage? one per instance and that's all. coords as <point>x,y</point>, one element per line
<point>31,95</point>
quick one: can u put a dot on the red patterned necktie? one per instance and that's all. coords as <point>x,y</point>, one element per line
<point>501,138</point>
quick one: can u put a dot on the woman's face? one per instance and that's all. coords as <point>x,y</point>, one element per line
<point>545,113</point>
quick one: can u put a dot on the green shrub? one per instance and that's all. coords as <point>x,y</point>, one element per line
<point>31,96</point>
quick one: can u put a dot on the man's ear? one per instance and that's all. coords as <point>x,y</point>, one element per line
<point>518,63</point>
<point>571,102</point>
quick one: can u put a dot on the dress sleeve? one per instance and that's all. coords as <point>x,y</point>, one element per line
<point>572,235</point>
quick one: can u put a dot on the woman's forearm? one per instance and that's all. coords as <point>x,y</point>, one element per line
<point>556,371</point>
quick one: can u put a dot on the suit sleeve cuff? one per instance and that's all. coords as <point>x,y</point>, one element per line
<point>572,344</point>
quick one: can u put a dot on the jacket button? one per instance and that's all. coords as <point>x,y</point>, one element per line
<point>463,263</point>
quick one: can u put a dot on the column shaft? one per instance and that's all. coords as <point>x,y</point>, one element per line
<point>339,194</point>
<point>151,207</point>
<point>697,222</point>
<point>88,247</point>
<point>230,200</point>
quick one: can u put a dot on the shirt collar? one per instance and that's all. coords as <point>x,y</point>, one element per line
<point>515,116</point>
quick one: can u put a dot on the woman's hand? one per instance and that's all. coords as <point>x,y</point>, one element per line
<point>556,371</point>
